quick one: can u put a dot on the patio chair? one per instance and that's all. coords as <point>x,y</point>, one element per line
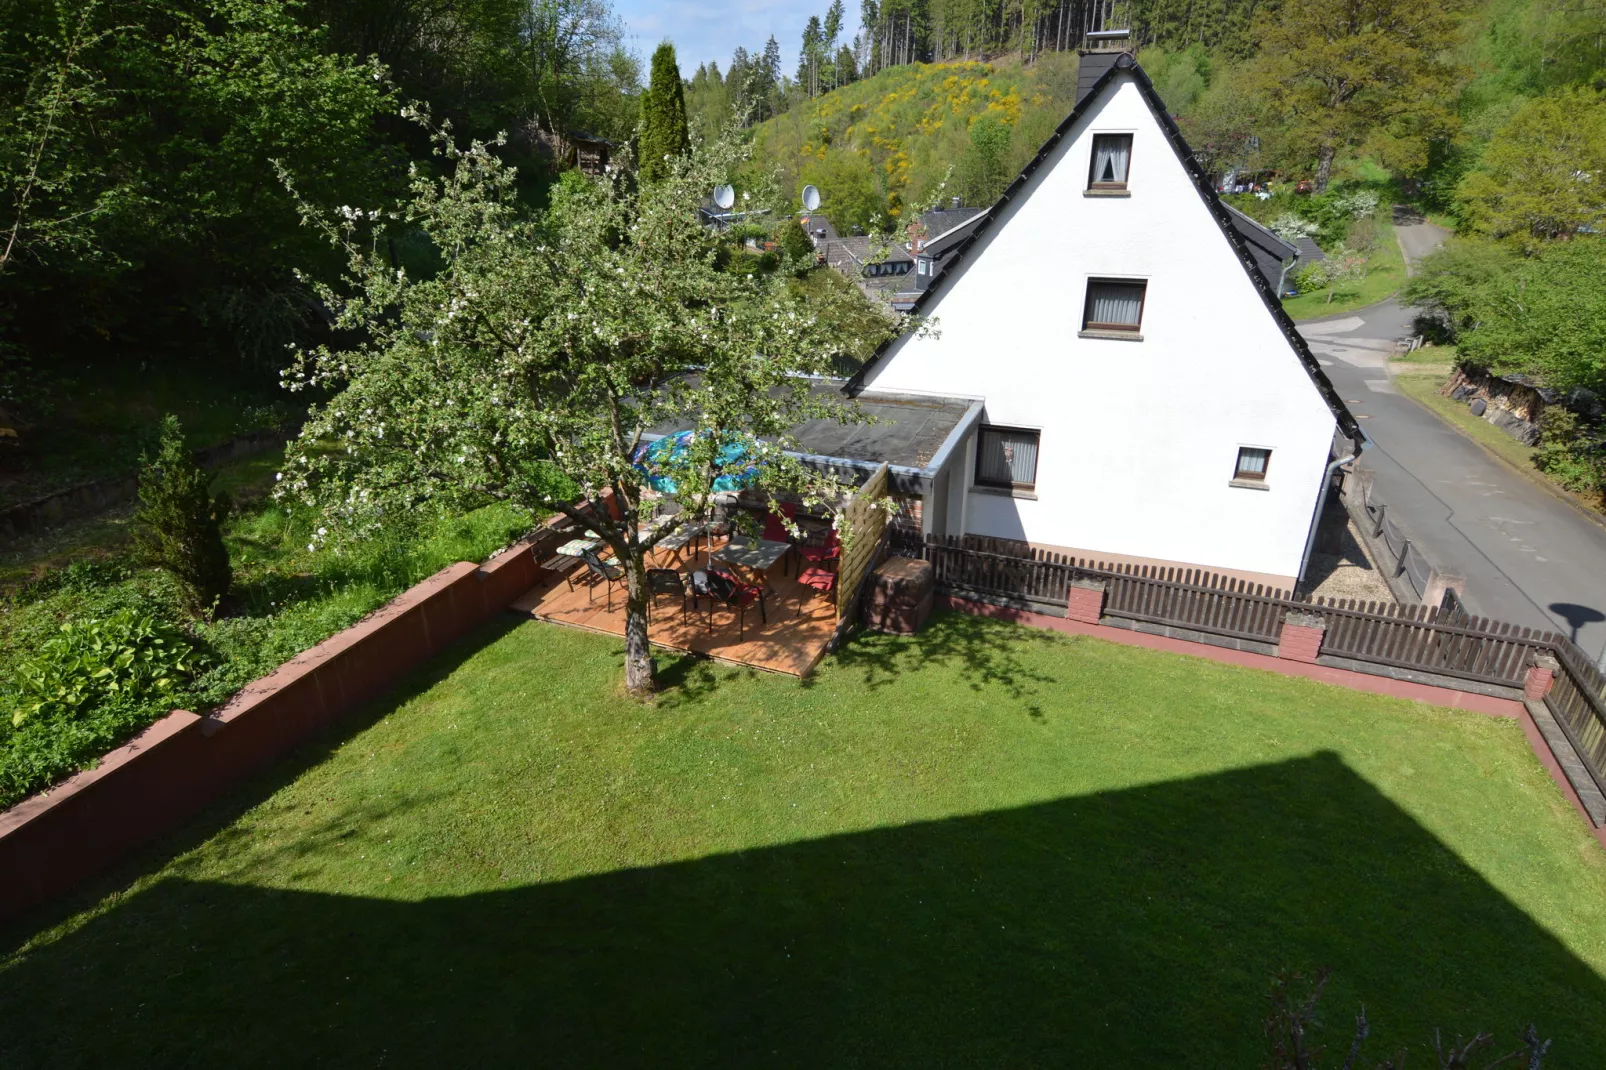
<point>732,594</point>
<point>826,552</point>
<point>819,579</point>
<point>775,526</point>
<point>662,581</point>
<point>607,571</point>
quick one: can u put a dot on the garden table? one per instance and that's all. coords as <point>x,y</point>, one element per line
<point>686,536</point>
<point>576,547</point>
<point>759,555</point>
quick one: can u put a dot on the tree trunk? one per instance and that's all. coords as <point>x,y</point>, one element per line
<point>640,672</point>
<point>1324,167</point>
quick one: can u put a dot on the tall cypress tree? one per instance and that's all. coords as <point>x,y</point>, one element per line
<point>663,116</point>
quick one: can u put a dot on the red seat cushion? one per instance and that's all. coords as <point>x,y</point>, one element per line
<point>818,578</point>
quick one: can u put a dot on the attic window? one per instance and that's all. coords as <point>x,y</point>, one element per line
<point>1111,154</point>
<point>1252,464</point>
<point>1113,305</point>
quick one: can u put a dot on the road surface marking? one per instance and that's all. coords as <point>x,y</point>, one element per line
<point>1379,386</point>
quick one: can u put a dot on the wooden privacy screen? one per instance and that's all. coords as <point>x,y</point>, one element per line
<point>865,521</point>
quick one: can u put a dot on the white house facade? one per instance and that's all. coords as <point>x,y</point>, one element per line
<point>1142,396</point>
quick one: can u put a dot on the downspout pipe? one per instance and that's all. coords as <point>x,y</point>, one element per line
<point>1364,442</point>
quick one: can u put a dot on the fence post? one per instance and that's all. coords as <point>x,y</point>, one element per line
<point>1541,675</point>
<point>1302,634</point>
<point>1084,602</point>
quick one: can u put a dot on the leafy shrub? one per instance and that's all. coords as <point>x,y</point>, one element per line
<point>1569,453</point>
<point>795,243</point>
<point>128,657</point>
<point>178,525</point>
<point>1290,227</point>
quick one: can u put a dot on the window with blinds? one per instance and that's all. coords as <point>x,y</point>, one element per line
<point>1007,457</point>
<point>1111,155</point>
<point>1113,305</point>
<point>1252,463</point>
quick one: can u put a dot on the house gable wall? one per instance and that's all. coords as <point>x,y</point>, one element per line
<point>1139,438</point>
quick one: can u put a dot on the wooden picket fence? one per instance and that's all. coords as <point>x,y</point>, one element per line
<point>1445,640</point>
<point>1428,639</point>
<point>1578,701</point>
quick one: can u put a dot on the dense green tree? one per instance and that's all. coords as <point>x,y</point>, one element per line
<point>138,143</point>
<point>1543,174</point>
<point>848,190</point>
<point>1372,75</point>
<point>664,133</point>
<point>983,171</point>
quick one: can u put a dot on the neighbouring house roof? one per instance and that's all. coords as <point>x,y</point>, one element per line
<point>942,220</point>
<point>1272,254</point>
<point>1309,251</point>
<point>1106,71</point>
<point>943,242</point>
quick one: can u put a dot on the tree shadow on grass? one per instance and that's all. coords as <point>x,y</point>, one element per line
<point>988,653</point>
<point>1125,928</point>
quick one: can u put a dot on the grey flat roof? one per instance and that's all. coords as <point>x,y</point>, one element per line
<point>908,429</point>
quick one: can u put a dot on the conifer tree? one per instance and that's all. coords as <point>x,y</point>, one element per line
<point>178,524</point>
<point>663,116</point>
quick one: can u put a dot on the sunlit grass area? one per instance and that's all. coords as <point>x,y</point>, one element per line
<point>981,846</point>
<point>1385,274</point>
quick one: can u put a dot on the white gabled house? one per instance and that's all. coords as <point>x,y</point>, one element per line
<point>1136,392</point>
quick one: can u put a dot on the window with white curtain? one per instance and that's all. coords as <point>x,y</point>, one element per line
<point>1111,155</point>
<point>1252,463</point>
<point>1113,305</point>
<point>1007,457</point>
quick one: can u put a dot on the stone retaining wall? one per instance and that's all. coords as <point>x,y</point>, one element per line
<point>166,774</point>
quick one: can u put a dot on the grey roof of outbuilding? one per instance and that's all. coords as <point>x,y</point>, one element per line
<point>1309,251</point>
<point>905,431</point>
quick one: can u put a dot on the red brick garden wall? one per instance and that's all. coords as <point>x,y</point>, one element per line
<point>166,774</point>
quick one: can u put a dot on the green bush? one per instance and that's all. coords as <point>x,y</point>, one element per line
<point>128,657</point>
<point>1570,453</point>
<point>795,244</point>
<point>178,525</point>
<point>67,627</point>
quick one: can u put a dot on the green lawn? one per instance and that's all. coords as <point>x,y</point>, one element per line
<point>984,846</point>
<point>1385,274</point>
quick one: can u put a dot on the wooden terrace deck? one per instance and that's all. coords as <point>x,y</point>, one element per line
<point>801,620</point>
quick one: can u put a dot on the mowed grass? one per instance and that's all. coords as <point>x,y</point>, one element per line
<point>982,846</point>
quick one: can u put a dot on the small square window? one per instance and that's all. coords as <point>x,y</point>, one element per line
<point>1113,305</point>
<point>1252,464</point>
<point>1007,457</point>
<point>1111,155</point>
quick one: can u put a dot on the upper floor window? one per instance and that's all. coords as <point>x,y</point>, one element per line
<point>1111,155</point>
<point>1113,305</point>
<point>1006,457</point>
<point>1252,464</point>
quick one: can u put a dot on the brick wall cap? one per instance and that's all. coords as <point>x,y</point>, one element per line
<point>1088,583</point>
<point>1300,618</point>
<point>1544,661</point>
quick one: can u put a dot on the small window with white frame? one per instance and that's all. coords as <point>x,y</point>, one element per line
<point>1006,458</point>
<point>1253,461</point>
<point>1112,157</point>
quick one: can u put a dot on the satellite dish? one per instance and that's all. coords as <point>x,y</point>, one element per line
<point>811,198</point>
<point>724,195</point>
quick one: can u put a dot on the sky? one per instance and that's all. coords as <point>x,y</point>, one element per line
<point>704,30</point>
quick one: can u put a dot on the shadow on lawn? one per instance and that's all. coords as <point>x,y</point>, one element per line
<point>1127,928</point>
<point>988,653</point>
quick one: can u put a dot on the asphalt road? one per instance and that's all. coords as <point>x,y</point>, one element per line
<point>1528,556</point>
